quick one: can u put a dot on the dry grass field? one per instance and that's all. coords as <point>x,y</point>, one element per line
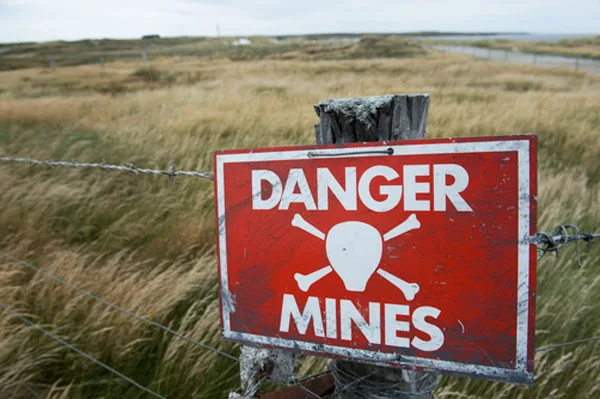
<point>148,244</point>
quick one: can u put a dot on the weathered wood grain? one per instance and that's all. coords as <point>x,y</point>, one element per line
<point>384,122</point>
<point>398,117</point>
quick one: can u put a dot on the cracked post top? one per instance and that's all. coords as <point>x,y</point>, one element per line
<point>360,107</point>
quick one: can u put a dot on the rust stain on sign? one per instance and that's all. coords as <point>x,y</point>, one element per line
<point>406,254</point>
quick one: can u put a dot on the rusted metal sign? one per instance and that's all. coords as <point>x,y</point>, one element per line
<point>407,254</point>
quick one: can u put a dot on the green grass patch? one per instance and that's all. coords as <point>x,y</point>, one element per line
<point>522,85</point>
<point>270,90</point>
<point>150,74</point>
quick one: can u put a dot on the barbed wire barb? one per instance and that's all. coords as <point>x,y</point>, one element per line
<point>563,235</point>
<point>117,307</point>
<point>79,351</point>
<point>171,172</point>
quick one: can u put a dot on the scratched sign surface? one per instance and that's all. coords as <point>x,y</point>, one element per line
<point>407,254</point>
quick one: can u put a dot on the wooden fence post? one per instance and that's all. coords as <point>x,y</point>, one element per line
<point>102,62</point>
<point>52,63</point>
<point>257,364</point>
<point>398,117</point>
<point>145,56</point>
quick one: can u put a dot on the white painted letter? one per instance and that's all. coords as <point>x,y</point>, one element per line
<point>412,188</point>
<point>326,182</point>
<point>441,191</point>
<point>393,325</point>
<point>436,335</point>
<point>331,317</point>
<point>392,193</point>
<point>297,178</point>
<point>312,311</point>
<point>257,201</point>
<point>349,314</point>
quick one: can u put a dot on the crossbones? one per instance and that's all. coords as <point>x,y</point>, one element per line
<point>372,237</point>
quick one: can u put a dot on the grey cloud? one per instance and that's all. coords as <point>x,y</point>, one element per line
<point>22,20</point>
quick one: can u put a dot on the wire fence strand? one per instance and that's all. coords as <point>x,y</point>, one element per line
<point>544,241</point>
<point>172,172</point>
<point>307,391</point>
<point>117,307</point>
<point>78,351</point>
<point>577,342</point>
<point>347,384</point>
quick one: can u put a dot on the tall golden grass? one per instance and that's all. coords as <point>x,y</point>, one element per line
<point>148,244</point>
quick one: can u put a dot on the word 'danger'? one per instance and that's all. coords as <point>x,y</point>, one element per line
<point>415,259</point>
<point>297,190</point>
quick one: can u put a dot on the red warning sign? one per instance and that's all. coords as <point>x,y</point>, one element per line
<point>407,254</point>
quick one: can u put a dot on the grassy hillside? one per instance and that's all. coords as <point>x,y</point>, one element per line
<point>94,52</point>
<point>149,244</point>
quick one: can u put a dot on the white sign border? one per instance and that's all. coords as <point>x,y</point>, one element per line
<point>521,146</point>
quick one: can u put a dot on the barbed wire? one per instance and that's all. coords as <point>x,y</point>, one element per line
<point>544,241</point>
<point>353,380</point>
<point>343,379</point>
<point>577,342</point>
<point>307,391</point>
<point>563,235</point>
<point>172,172</point>
<point>297,382</point>
<point>78,351</point>
<point>381,388</point>
<point>116,307</point>
<point>349,384</point>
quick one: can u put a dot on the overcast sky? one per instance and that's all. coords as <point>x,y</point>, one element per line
<point>40,20</point>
